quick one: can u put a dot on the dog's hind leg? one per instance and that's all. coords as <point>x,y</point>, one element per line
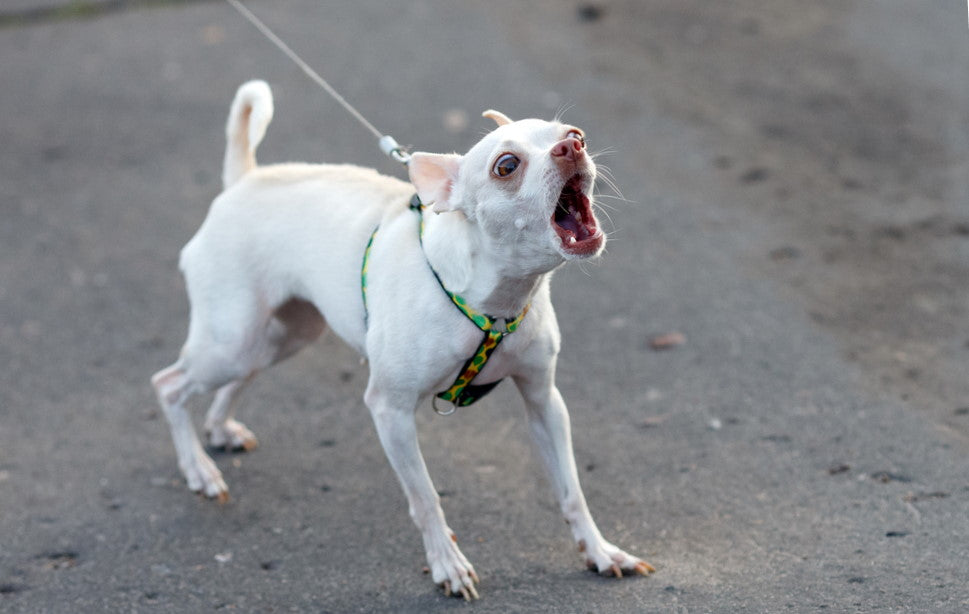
<point>223,429</point>
<point>294,325</point>
<point>218,352</point>
<point>174,387</point>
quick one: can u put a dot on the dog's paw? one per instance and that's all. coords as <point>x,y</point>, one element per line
<point>450,570</point>
<point>232,435</point>
<point>205,478</point>
<point>608,560</point>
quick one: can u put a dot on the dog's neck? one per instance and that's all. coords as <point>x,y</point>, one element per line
<point>490,281</point>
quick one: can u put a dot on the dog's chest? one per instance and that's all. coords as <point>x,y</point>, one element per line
<point>422,335</point>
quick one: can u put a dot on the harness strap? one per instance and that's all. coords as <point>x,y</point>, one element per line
<point>462,392</point>
<point>363,275</point>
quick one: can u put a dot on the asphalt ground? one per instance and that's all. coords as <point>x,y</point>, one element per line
<point>795,180</point>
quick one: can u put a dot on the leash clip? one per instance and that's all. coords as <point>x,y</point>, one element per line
<point>391,148</point>
<point>387,143</point>
<point>443,412</point>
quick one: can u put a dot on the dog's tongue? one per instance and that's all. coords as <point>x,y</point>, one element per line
<point>575,226</point>
<point>574,222</point>
<point>570,214</point>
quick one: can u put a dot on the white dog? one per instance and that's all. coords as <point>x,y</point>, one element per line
<point>288,249</point>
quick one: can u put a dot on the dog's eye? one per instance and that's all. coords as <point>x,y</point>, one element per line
<point>506,165</point>
<point>575,134</point>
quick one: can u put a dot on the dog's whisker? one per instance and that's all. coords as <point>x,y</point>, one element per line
<point>609,219</point>
<point>599,201</point>
<point>606,152</point>
<point>563,108</point>
<point>582,268</point>
<point>617,197</point>
<point>607,177</point>
<point>605,173</point>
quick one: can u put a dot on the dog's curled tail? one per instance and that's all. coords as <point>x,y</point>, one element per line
<point>250,114</point>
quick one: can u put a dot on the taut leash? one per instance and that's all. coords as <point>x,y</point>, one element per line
<point>386,142</point>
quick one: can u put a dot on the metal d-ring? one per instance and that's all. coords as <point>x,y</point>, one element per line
<point>444,412</point>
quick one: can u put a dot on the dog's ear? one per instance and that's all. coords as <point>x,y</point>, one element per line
<point>500,118</point>
<point>434,176</point>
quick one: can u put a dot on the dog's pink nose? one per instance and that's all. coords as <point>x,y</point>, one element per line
<point>567,148</point>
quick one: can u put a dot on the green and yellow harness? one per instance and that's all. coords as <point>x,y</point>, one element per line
<point>462,392</point>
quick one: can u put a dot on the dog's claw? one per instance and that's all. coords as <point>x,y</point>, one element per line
<point>467,592</point>
<point>233,436</point>
<point>204,478</point>
<point>221,497</point>
<point>609,561</point>
<point>448,566</point>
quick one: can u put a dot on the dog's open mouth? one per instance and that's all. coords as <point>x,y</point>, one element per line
<point>574,222</point>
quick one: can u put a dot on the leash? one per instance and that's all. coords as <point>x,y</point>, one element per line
<point>386,142</point>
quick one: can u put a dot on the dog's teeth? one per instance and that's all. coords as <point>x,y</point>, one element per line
<point>571,240</point>
<point>577,216</point>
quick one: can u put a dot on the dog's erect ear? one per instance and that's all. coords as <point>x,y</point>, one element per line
<point>500,118</point>
<point>434,176</point>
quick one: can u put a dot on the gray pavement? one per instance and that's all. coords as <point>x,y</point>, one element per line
<point>795,179</point>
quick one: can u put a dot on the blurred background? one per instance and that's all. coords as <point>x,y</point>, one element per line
<point>792,211</point>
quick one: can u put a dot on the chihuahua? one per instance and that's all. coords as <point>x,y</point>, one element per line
<point>410,281</point>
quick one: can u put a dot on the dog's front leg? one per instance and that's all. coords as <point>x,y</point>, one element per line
<point>397,430</point>
<point>548,420</point>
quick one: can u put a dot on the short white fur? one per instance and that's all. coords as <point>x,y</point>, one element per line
<point>277,260</point>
